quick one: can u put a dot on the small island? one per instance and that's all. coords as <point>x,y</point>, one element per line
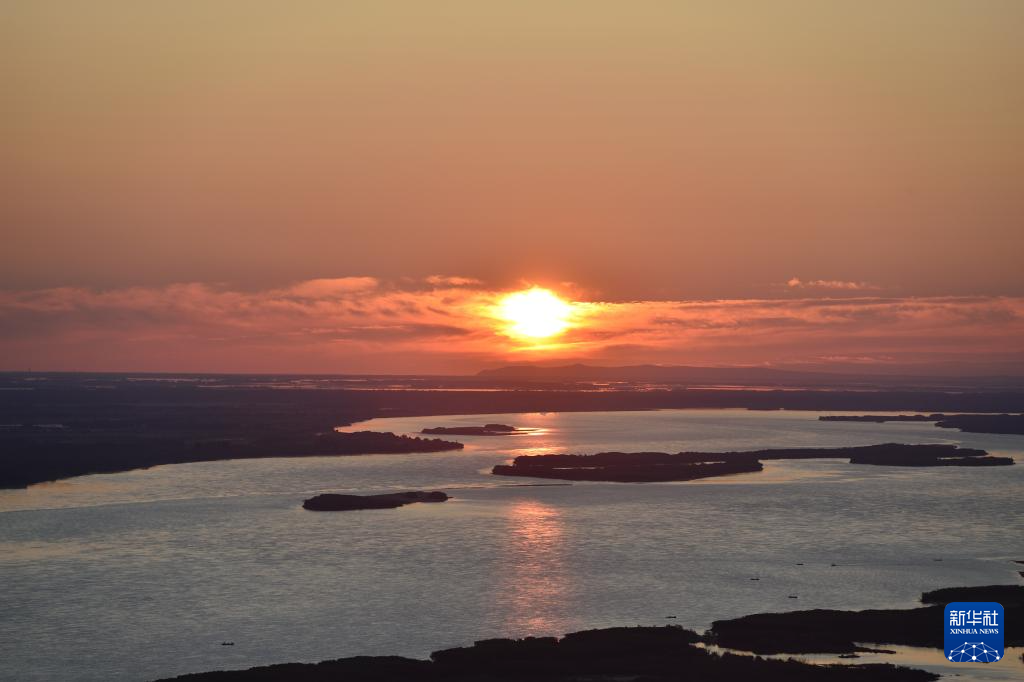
<point>337,502</point>
<point>625,467</point>
<point>485,430</point>
<point>1012,424</point>
<point>652,467</point>
<point>881,418</point>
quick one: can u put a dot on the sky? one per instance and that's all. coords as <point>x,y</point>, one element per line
<point>341,187</point>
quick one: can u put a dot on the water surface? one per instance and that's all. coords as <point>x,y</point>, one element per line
<point>142,574</point>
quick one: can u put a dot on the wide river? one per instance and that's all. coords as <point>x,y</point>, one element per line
<point>143,574</point>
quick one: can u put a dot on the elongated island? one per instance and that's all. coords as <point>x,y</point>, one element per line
<point>651,467</point>
<point>485,430</point>
<point>336,502</point>
<point>1012,424</point>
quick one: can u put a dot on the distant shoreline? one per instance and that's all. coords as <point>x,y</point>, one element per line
<point>1006,424</point>
<point>83,426</point>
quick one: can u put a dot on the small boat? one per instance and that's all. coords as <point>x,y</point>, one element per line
<point>755,578</point>
<point>227,643</point>
<point>793,596</point>
<point>800,564</point>
<point>670,616</point>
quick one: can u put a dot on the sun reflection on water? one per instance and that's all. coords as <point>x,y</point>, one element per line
<point>536,575</point>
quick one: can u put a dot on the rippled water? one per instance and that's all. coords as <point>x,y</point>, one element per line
<point>142,574</point>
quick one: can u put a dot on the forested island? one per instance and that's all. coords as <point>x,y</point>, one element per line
<point>968,423</point>
<point>337,502</point>
<point>650,467</point>
<point>630,467</point>
<point>485,430</point>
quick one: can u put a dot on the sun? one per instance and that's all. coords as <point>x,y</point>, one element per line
<point>534,313</point>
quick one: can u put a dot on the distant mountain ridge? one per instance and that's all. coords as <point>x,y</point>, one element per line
<point>732,376</point>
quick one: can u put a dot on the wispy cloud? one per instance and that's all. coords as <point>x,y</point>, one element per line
<point>330,288</point>
<point>452,281</point>
<point>445,325</point>
<point>797,283</point>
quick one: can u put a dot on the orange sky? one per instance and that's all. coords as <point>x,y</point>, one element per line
<point>449,325</point>
<point>652,154</point>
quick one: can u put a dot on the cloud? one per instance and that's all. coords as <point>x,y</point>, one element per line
<point>446,281</point>
<point>361,324</point>
<point>326,288</point>
<point>797,283</point>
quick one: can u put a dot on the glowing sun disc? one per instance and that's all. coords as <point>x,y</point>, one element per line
<point>535,313</point>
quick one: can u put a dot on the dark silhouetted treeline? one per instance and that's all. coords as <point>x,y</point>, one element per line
<point>970,423</point>
<point>647,467</point>
<point>828,631</point>
<point>650,654</point>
